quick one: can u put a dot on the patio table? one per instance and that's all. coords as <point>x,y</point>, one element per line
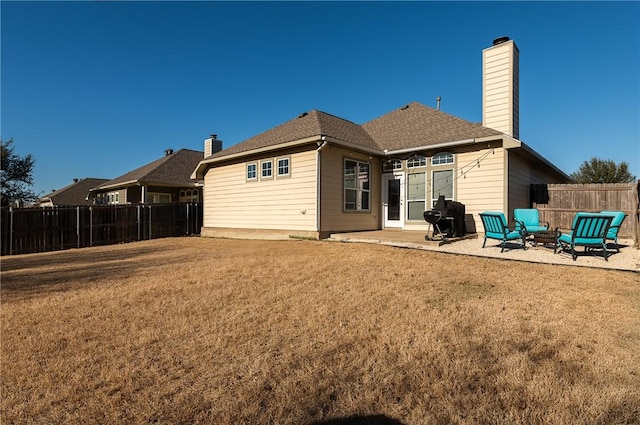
<point>550,237</point>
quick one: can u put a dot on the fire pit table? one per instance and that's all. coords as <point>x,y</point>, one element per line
<point>550,237</point>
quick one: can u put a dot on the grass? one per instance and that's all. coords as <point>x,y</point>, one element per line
<point>203,331</point>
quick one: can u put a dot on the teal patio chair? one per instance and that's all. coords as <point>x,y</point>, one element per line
<point>618,218</point>
<point>495,227</point>
<point>529,219</point>
<point>588,230</point>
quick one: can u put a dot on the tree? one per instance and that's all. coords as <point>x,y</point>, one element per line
<point>603,171</point>
<point>16,175</point>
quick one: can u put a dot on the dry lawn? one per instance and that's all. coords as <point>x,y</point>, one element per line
<point>214,331</point>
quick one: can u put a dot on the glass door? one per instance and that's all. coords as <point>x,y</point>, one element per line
<point>393,200</point>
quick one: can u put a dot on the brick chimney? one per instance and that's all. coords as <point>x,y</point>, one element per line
<point>501,87</point>
<point>212,145</point>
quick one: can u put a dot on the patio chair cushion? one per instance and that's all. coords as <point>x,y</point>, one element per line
<point>567,238</point>
<point>530,218</point>
<point>618,218</point>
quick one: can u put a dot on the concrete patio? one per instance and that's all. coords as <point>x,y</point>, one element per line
<point>627,259</point>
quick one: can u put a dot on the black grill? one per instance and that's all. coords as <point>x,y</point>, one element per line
<point>446,218</point>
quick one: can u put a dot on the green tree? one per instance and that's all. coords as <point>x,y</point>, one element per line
<point>16,175</point>
<point>603,171</point>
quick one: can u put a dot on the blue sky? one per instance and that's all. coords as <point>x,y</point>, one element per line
<point>96,89</point>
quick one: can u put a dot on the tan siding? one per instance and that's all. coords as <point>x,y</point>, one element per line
<point>500,91</point>
<point>522,173</point>
<point>482,188</point>
<point>287,203</point>
<point>333,218</point>
<point>521,176</point>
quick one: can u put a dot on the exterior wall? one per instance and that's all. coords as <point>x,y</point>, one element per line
<point>482,188</point>
<point>122,195</point>
<point>521,174</point>
<point>333,216</point>
<point>133,194</point>
<point>287,203</point>
<point>173,191</point>
<point>500,88</point>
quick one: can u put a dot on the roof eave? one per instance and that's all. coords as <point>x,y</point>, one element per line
<point>538,156</point>
<point>202,166</point>
<point>511,143</point>
<point>114,185</point>
<point>435,146</point>
<point>354,146</point>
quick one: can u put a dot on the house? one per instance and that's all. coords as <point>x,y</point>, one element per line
<point>71,195</point>
<point>319,174</point>
<point>164,180</point>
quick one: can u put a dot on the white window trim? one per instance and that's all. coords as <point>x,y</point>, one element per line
<point>284,158</point>
<point>422,159</point>
<point>189,195</point>
<point>393,163</point>
<point>358,190</point>
<point>270,169</point>
<point>255,170</point>
<point>113,198</point>
<point>450,159</point>
<point>422,199</point>
<point>434,199</point>
<point>150,196</point>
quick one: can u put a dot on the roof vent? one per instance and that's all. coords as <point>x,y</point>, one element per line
<point>304,114</point>
<point>500,40</point>
<point>168,152</point>
<point>75,180</point>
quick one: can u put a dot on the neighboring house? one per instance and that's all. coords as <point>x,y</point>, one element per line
<point>74,194</point>
<point>165,180</point>
<point>319,174</point>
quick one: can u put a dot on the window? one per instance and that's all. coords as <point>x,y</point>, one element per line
<point>189,196</point>
<point>394,164</point>
<point>356,185</point>
<point>442,185</point>
<point>416,161</point>
<point>252,171</point>
<point>442,158</point>
<point>283,167</point>
<point>416,196</point>
<point>267,169</point>
<point>113,198</point>
<point>159,198</point>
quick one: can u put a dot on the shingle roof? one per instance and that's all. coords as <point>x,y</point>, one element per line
<point>411,126</point>
<point>172,169</point>
<point>416,125</point>
<point>314,123</point>
<point>73,194</point>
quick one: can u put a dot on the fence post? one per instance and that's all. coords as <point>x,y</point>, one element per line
<point>10,230</point>
<point>138,219</point>
<point>78,227</point>
<point>90,226</point>
<point>150,222</point>
<point>188,205</point>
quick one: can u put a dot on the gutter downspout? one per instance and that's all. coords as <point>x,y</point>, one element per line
<point>321,145</point>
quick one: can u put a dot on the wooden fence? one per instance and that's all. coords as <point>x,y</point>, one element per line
<point>28,230</point>
<point>558,203</point>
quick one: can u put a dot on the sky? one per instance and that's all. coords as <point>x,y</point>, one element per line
<point>97,89</point>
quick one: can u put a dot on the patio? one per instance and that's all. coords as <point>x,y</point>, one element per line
<point>627,259</point>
